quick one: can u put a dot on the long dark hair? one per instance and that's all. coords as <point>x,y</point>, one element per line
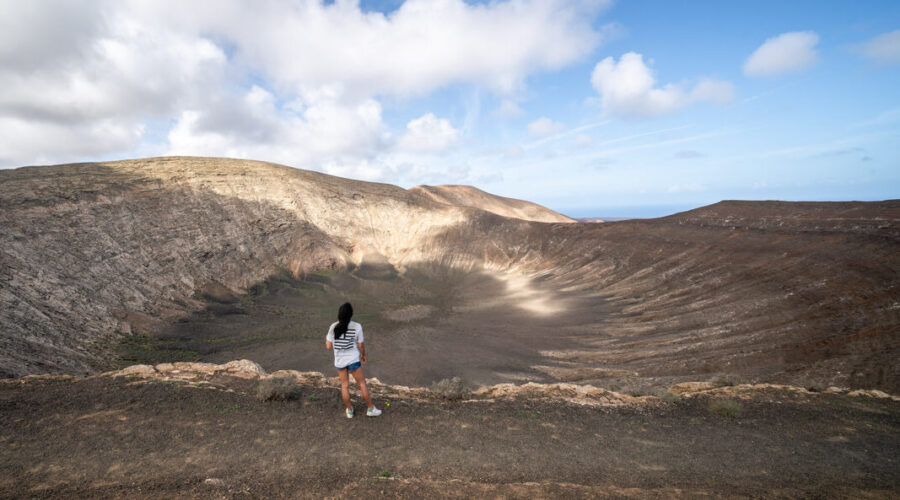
<point>345,312</point>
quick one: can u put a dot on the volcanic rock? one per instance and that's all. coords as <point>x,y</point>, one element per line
<point>94,253</point>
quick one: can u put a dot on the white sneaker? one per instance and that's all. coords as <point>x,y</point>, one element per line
<point>349,412</point>
<point>373,412</point>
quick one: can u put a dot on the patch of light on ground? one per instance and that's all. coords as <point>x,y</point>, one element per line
<point>524,295</point>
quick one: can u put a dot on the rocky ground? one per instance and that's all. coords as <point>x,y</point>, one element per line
<point>430,324</point>
<point>96,255</point>
<point>195,430</point>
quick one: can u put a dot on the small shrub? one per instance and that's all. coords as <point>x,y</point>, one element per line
<point>278,389</point>
<point>450,389</point>
<point>384,473</point>
<point>725,407</point>
<point>669,397</point>
<point>638,388</point>
<point>723,380</point>
<point>812,385</point>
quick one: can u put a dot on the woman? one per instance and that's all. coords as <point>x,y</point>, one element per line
<point>346,337</point>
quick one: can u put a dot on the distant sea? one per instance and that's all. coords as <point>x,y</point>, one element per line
<point>623,213</point>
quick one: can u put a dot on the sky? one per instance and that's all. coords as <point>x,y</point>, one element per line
<point>590,107</point>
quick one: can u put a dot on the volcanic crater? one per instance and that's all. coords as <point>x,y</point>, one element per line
<point>206,259</point>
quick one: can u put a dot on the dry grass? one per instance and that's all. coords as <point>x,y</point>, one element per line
<point>669,397</point>
<point>451,389</point>
<point>278,389</point>
<point>725,408</point>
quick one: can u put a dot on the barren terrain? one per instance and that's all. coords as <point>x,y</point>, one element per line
<point>178,433</point>
<point>641,358</point>
<point>211,259</point>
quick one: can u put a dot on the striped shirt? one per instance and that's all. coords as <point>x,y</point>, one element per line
<point>346,349</point>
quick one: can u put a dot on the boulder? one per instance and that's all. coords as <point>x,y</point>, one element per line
<point>243,368</point>
<point>206,368</point>
<point>872,393</point>
<point>138,371</point>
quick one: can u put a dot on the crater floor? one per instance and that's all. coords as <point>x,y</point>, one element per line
<point>421,326</point>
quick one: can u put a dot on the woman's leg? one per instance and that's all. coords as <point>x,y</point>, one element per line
<point>361,380</point>
<point>345,387</point>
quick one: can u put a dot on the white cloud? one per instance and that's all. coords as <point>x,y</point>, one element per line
<point>714,91</point>
<point>367,170</point>
<point>423,45</point>
<point>509,109</point>
<point>104,78</point>
<point>41,143</point>
<point>785,53</point>
<point>582,140</point>
<point>129,71</point>
<point>328,131</point>
<point>97,96</point>
<point>456,172</point>
<point>513,152</point>
<point>628,88</point>
<point>884,48</point>
<point>428,133</point>
<point>544,126</point>
<point>48,33</point>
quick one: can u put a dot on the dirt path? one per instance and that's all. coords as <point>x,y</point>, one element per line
<point>120,437</point>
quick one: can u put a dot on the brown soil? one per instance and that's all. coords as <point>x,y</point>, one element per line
<point>421,327</point>
<point>431,323</point>
<point>94,255</point>
<point>122,437</point>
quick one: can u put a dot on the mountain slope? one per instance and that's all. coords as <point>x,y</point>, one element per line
<point>766,291</point>
<point>87,247</point>
<point>468,196</point>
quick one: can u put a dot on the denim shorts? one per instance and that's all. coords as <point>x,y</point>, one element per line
<point>352,367</point>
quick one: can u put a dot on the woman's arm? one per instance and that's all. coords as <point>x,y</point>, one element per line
<point>362,352</point>
<point>327,345</point>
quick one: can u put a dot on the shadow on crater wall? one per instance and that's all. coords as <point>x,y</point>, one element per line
<point>763,291</point>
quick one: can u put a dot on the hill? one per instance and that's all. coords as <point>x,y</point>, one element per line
<point>215,259</point>
<point>468,196</point>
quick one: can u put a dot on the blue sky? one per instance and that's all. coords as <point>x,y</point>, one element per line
<point>592,108</point>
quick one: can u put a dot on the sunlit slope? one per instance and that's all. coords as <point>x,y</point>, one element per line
<point>468,196</point>
<point>805,292</point>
